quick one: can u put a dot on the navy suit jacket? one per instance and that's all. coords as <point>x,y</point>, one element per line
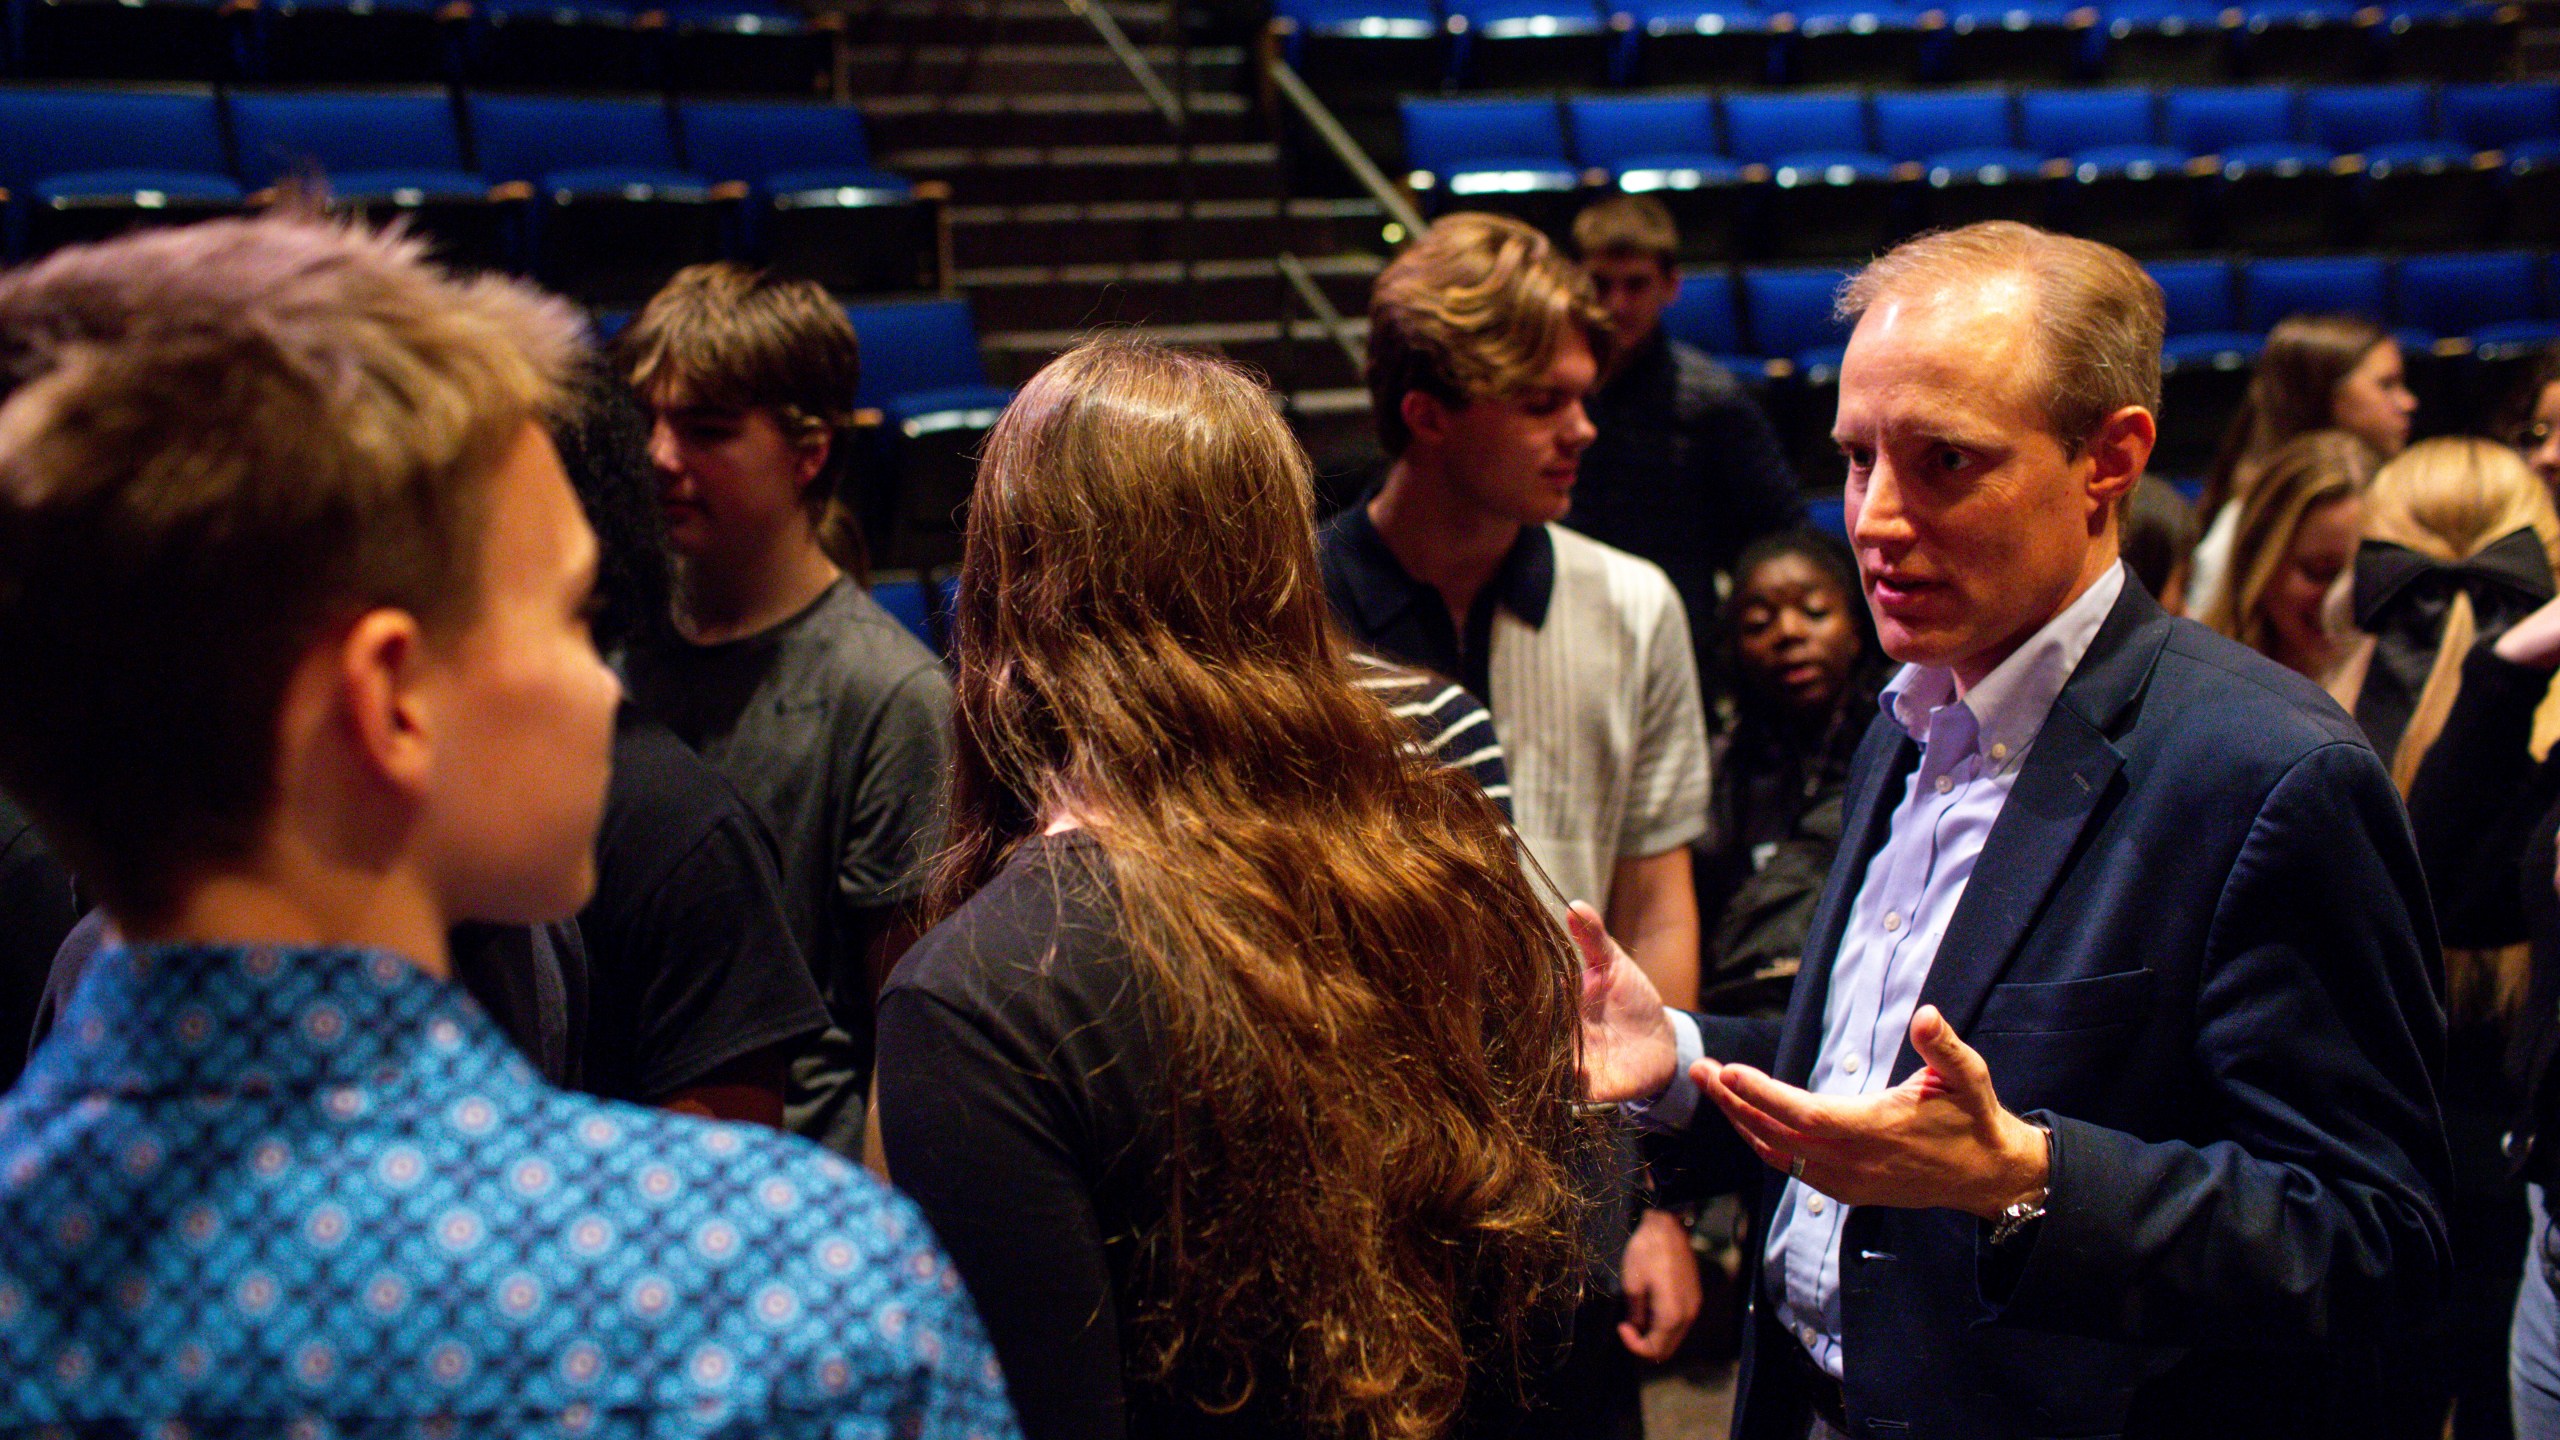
<point>2197,944</point>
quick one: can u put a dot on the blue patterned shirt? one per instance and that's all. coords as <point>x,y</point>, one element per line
<point>280,1192</point>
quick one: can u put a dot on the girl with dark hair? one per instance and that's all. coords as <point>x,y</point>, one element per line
<point>2316,372</point>
<point>1238,1073</point>
<point>1802,650</point>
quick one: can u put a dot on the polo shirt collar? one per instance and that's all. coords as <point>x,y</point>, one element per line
<point>1383,593</point>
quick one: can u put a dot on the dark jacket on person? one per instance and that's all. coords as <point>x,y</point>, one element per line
<point>1685,472</point>
<point>37,909</point>
<point>2196,945</point>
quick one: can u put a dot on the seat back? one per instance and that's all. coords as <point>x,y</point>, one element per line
<point>1447,136</point>
<point>2492,117</point>
<point>1705,314</point>
<point>2066,122</point>
<point>1763,127</point>
<point>66,132</point>
<point>280,134</point>
<point>2353,117</point>
<point>2457,294</point>
<point>913,346</point>
<point>2323,284</point>
<point>525,137</point>
<point>1608,131</point>
<point>1915,127</point>
<point>2201,295</point>
<point>1788,312</point>
<point>750,139</point>
<point>2205,122</point>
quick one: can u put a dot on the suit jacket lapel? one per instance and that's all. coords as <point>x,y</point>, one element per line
<point>1877,772</point>
<point>2069,778</point>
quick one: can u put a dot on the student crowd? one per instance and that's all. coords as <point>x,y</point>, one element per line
<point>418,1007</point>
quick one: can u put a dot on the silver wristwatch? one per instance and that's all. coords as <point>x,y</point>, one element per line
<point>2020,1215</point>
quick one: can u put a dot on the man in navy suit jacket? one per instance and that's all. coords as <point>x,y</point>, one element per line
<point>2180,1177</point>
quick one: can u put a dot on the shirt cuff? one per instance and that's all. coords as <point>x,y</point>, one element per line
<point>1677,1104</point>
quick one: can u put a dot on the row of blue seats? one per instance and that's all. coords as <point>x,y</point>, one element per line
<point>74,162</point>
<point>1655,142</point>
<point>1505,42</point>
<point>696,46</point>
<point>1776,322</point>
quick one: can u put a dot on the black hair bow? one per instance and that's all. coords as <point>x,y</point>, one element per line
<point>2402,598</point>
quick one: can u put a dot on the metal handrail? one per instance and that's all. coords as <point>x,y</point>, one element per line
<point>1321,305</point>
<point>1320,119</point>
<point>1175,107</point>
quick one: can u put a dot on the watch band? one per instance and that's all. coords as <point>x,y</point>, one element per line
<point>2015,1219</point>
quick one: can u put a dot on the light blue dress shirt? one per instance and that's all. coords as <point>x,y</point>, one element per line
<point>1971,749</point>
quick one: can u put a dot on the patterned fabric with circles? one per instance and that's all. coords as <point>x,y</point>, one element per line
<point>276,1192</point>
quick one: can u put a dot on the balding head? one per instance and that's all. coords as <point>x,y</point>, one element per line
<point>2097,317</point>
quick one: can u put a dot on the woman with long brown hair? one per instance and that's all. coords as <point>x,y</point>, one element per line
<point>1237,1075</point>
<point>2316,372</point>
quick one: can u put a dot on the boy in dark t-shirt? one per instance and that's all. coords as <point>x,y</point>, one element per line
<point>782,671</point>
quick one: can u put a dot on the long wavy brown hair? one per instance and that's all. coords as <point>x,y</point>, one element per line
<point>1366,1017</point>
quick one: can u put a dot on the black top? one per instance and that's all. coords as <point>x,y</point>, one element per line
<point>1685,472</point>
<point>2485,815</point>
<point>679,964</point>
<point>1019,1106</point>
<point>37,909</point>
<point>1390,612</point>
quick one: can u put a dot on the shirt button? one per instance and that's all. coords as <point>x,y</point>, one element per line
<point>1999,752</point>
<point>1807,1333</point>
<point>1892,920</point>
<point>1945,784</point>
<point>1813,1205</point>
<point>1851,1065</point>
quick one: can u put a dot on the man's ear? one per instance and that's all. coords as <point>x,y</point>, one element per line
<point>1427,416</point>
<point>2117,454</point>
<point>380,668</point>
<point>809,458</point>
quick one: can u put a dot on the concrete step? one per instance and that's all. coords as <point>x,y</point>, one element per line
<point>976,22</point>
<point>936,122</point>
<point>1075,297</point>
<point>1289,360</point>
<point>1009,69</point>
<point>1033,175</point>
<point>1144,231</point>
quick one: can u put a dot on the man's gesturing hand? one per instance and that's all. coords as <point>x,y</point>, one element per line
<point>1627,1049</point>
<point>1939,1138</point>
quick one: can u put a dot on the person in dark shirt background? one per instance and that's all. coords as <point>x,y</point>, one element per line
<point>37,909</point>
<point>1802,650</point>
<point>1686,471</point>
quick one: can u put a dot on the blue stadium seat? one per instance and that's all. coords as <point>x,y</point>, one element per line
<point>1967,147</point>
<point>616,212</point>
<point>2166,41</point>
<point>1699,42</point>
<point>2204,361</point>
<point>1503,155</point>
<point>1830,194</point>
<point>1360,55</point>
<point>1666,145</point>
<point>922,370</point>
<point>2420,191</point>
<point>1706,315</point>
<point>2029,42</point>
<point>2277,191</point>
<point>1512,43</point>
<point>603,46</point>
<point>748,47</point>
<point>1860,42</point>
<point>2129,189</point>
<point>2502,117</point>
<point>817,207</point>
<point>2328,284</point>
<point>2310,40</point>
<point>83,164</point>
<point>359,42</point>
<point>1787,315</point>
<point>2463,301</point>
<point>384,155</point>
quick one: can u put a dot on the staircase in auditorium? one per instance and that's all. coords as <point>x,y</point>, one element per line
<point>1069,193</point>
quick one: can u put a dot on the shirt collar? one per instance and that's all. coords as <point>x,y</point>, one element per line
<point>1383,592</point>
<point>2010,704</point>
<point>178,1019</point>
